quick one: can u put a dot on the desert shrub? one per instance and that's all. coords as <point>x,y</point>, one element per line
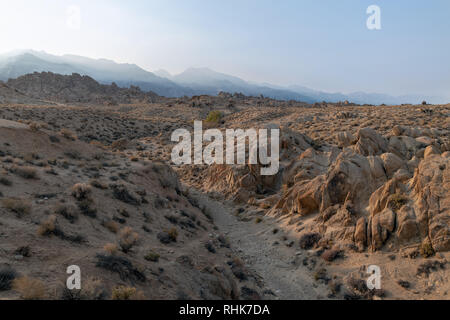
<point>86,207</point>
<point>93,289</point>
<point>173,234</point>
<point>48,226</point>
<point>309,240</point>
<point>24,251</point>
<point>110,248</point>
<point>335,287</point>
<point>29,288</point>
<point>25,172</point>
<point>120,144</point>
<point>427,267</point>
<point>120,192</point>
<point>426,250</point>
<point>152,256</point>
<point>210,247</point>
<point>397,201</point>
<point>127,293</point>
<point>404,284</point>
<point>97,184</point>
<point>34,126</point>
<point>321,274</point>
<point>331,255</point>
<point>54,139</point>
<point>357,285</point>
<point>120,265</point>
<point>20,207</point>
<point>73,154</point>
<point>214,116</point>
<point>127,239</point>
<point>81,191</point>
<point>5,181</point>
<point>67,212</point>
<point>111,226</point>
<point>70,135</point>
<point>7,276</point>
<point>238,269</point>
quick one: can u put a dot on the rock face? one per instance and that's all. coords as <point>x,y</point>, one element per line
<point>11,95</point>
<point>431,188</point>
<point>76,89</point>
<point>373,191</point>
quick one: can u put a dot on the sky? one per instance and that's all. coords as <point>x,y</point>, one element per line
<point>321,44</point>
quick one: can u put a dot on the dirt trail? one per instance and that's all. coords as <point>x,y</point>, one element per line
<point>279,266</point>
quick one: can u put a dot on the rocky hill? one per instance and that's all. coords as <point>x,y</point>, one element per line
<point>11,95</point>
<point>76,89</point>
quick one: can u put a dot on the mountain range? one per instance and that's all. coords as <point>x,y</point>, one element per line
<point>193,81</point>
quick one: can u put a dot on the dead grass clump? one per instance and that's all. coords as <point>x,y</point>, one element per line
<point>397,201</point>
<point>34,126</point>
<point>309,240</point>
<point>67,212</point>
<point>152,256</point>
<point>48,226</point>
<point>173,234</point>
<point>430,266</point>
<point>361,291</point>
<point>111,249</point>
<point>25,172</point>
<point>29,288</point>
<point>238,269</point>
<point>127,239</point>
<point>86,207</point>
<point>20,207</point>
<point>92,289</point>
<point>7,276</point>
<point>120,265</point>
<point>111,226</point>
<point>426,250</point>
<point>127,293</point>
<point>81,191</point>
<point>66,133</point>
<point>120,192</point>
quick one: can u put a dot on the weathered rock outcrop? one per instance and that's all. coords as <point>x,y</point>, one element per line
<point>76,89</point>
<point>374,191</point>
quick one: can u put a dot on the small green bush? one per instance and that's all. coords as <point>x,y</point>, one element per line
<point>214,116</point>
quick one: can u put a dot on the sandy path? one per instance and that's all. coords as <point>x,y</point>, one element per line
<point>279,266</point>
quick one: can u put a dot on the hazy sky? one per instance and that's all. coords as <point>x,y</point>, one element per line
<point>322,44</point>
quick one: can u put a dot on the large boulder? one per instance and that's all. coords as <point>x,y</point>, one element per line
<point>431,189</point>
<point>370,142</point>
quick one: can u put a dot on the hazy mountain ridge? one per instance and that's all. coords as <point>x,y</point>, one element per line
<point>193,81</point>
